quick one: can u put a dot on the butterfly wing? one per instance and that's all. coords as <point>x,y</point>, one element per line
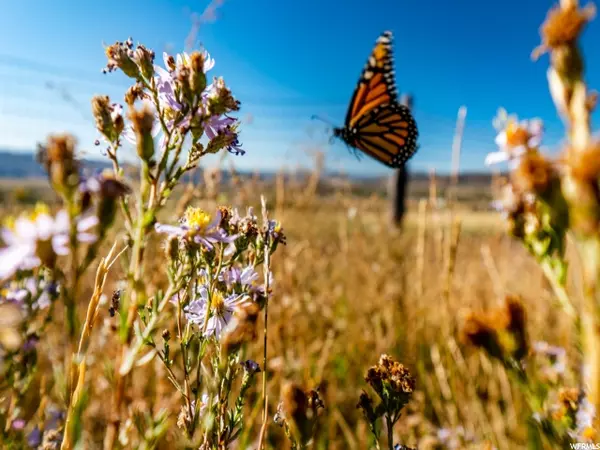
<point>388,134</point>
<point>376,85</point>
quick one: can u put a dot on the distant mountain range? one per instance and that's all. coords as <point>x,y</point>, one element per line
<point>24,165</point>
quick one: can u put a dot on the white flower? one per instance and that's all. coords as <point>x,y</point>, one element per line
<point>221,310</point>
<point>584,419</point>
<point>514,138</point>
<point>183,59</point>
<point>37,238</point>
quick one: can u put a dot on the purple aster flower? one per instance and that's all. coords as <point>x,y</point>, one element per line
<point>234,146</point>
<point>251,366</point>
<point>31,240</point>
<point>221,310</point>
<point>198,227</point>
<point>39,291</point>
<point>217,125</point>
<point>184,60</point>
<point>234,276</point>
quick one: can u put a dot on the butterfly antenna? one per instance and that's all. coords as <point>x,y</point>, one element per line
<point>314,116</point>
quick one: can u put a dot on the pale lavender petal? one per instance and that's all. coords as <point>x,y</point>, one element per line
<point>501,139</point>
<point>165,59</point>
<point>44,225</point>
<point>9,262</point>
<point>8,237</point>
<point>59,244</point>
<point>87,222</point>
<point>495,158</point>
<point>169,229</point>
<point>209,62</point>
<point>87,238</point>
<point>61,222</point>
<point>25,228</point>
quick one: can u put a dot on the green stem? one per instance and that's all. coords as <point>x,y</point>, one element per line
<point>390,432</point>
<point>559,290</point>
<point>590,320</point>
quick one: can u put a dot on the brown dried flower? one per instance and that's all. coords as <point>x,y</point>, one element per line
<point>563,26</point>
<point>58,157</point>
<point>143,122</point>
<point>534,174</point>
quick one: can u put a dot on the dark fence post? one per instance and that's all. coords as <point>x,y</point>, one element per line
<point>399,181</point>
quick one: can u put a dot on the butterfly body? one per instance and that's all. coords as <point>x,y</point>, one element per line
<point>376,124</point>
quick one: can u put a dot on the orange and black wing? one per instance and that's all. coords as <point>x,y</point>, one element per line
<point>388,134</point>
<point>376,85</point>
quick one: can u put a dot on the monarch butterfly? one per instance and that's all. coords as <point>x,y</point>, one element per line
<point>376,123</point>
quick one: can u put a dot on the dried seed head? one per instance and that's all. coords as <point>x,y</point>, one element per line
<point>134,93</point>
<point>570,397</point>
<point>120,56</point>
<point>144,58</point>
<point>564,25</point>
<point>108,117</point>
<point>166,335</point>
<point>58,157</point>
<point>143,122</point>
<point>197,75</point>
<point>534,174</point>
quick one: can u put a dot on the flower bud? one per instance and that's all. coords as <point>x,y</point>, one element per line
<point>197,75</point>
<point>120,56</point>
<point>143,121</point>
<point>58,157</point>
<point>145,61</point>
<point>108,117</point>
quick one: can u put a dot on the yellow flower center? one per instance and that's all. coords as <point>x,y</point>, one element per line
<point>589,433</point>
<point>38,210</point>
<point>170,113</point>
<point>197,218</point>
<point>217,304</point>
<point>9,223</point>
<point>516,135</point>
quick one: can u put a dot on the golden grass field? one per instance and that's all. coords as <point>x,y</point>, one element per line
<point>349,287</point>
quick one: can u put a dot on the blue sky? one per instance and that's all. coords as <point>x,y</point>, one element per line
<point>286,61</point>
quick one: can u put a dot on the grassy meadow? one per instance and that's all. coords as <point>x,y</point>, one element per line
<point>165,305</point>
<point>349,287</point>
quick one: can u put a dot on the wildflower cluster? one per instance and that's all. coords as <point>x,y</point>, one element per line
<point>394,385</point>
<point>43,256</point>
<point>217,295</point>
<point>531,198</point>
<point>217,267</point>
<point>539,369</point>
<point>546,199</point>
